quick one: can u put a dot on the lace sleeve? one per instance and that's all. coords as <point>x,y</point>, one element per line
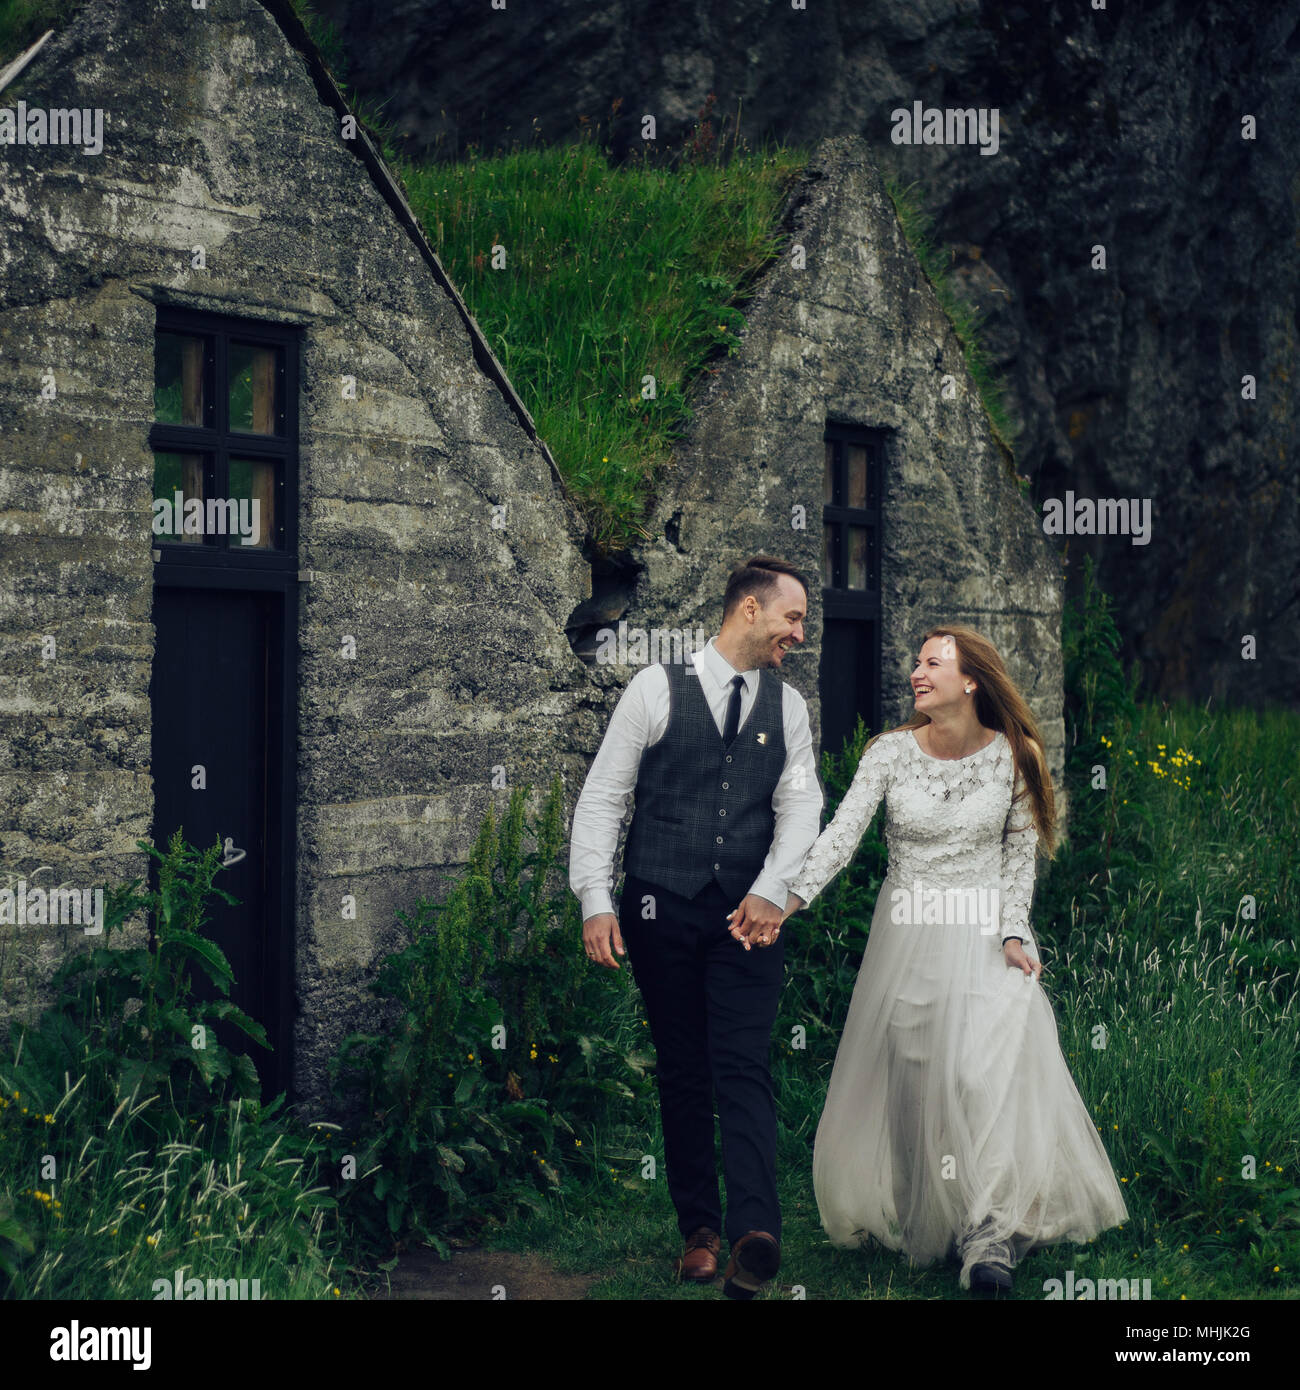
<point>837,844</point>
<point>1019,853</point>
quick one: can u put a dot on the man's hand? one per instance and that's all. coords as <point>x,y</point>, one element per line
<point>598,933</point>
<point>1014,954</point>
<point>755,918</point>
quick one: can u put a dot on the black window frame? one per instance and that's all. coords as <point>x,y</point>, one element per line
<point>850,601</point>
<point>218,444</point>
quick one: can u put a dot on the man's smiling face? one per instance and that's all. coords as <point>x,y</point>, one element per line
<point>778,625</point>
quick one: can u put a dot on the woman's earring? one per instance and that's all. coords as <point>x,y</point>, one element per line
<point>968,690</point>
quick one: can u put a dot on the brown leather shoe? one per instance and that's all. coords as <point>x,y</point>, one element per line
<point>699,1261</point>
<point>755,1258</point>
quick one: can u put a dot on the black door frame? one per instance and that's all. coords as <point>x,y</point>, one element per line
<point>182,566</point>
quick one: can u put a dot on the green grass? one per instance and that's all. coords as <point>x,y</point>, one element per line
<point>233,1196</point>
<point>610,276</point>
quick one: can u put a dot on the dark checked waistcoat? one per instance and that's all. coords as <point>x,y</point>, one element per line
<point>704,811</point>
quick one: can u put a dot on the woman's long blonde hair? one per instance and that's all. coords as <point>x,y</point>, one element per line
<point>999,705</point>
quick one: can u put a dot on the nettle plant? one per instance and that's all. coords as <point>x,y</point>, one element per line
<point>508,1053</point>
<point>126,1019</point>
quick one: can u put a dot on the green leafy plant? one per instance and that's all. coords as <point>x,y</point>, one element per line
<point>507,1053</point>
<point>132,1142</point>
<point>125,1019</point>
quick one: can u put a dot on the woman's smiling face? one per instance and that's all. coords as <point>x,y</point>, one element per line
<point>936,681</point>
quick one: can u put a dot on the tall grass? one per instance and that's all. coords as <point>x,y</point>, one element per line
<point>232,1196</point>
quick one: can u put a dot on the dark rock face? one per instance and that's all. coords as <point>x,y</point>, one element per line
<point>1119,128</point>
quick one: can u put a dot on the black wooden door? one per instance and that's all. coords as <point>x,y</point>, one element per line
<point>218,703</point>
<point>849,681</point>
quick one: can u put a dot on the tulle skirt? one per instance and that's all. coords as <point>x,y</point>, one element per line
<point>952,1124</point>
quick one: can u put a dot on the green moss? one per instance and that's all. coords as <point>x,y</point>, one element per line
<point>326,38</point>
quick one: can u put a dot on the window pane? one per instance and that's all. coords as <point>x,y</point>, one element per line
<point>857,557</point>
<point>253,374</point>
<point>857,479</point>
<point>831,556</point>
<point>172,474</point>
<point>253,486</point>
<point>828,481</point>
<point>179,397</point>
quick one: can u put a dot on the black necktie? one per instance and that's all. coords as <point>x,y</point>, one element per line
<point>732,725</point>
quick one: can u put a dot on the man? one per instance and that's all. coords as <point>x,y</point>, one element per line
<point>719,754</point>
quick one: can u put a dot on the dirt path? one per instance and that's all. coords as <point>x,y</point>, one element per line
<point>481,1274</point>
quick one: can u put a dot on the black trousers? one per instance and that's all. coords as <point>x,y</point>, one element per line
<point>711,1006</point>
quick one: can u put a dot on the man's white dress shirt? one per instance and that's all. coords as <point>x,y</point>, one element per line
<point>639,721</point>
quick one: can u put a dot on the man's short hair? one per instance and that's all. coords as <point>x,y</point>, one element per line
<point>759,576</point>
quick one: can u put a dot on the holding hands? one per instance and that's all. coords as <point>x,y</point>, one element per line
<point>758,921</point>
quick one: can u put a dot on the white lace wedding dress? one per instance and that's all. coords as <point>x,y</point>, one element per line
<point>952,1124</point>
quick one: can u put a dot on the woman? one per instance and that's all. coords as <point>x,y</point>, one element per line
<point>952,1124</point>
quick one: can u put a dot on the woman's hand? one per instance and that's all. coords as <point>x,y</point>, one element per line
<point>793,903</point>
<point>1013,952</point>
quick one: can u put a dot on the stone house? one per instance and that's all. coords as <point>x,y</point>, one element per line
<point>284,561</point>
<point>847,436</point>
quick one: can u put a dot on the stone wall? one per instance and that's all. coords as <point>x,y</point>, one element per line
<point>216,135</point>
